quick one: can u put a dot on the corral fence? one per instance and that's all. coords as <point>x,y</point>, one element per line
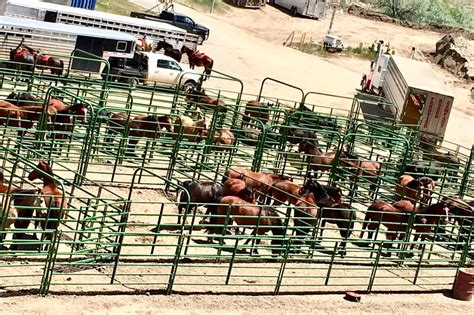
<point>126,228</point>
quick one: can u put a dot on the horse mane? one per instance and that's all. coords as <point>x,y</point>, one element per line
<point>71,109</point>
<point>427,209</point>
<point>45,167</point>
<point>413,184</point>
<point>151,118</point>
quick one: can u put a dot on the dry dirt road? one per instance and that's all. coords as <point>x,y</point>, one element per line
<point>425,304</point>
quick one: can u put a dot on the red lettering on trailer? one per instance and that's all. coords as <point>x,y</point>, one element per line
<point>438,109</point>
<point>428,113</point>
<point>445,114</point>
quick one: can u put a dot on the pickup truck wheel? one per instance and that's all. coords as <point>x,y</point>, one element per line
<point>189,86</point>
<point>200,39</point>
<point>133,81</point>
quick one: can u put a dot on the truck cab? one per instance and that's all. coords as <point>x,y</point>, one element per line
<point>148,67</point>
<point>179,20</point>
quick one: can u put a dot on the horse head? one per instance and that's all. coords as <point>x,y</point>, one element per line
<point>247,194</point>
<point>79,110</point>
<point>186,50</point>
<point>166,123</point>
<point>13,98</point>
<point>39,172</point>
<point>440,209</point>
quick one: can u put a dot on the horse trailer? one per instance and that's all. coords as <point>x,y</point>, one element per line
<point>54,13</point>
<point>418,95</point>
<point>57,39</point>
<point>310,8</point>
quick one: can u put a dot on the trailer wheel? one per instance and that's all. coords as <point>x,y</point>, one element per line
<point>189,86</point>
<point>294,11</point>
<point>200,39</point>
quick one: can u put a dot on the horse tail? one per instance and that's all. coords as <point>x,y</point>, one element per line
<point>209,69</point>
<point>61,67</point>
<point>366,221</point>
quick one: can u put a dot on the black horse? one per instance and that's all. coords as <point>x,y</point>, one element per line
<point>170,51</point>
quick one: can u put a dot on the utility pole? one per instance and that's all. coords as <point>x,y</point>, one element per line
<point>332,19</point>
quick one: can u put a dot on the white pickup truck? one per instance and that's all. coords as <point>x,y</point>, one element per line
<point>148,67</point>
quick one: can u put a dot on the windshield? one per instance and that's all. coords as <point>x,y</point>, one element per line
<point>173,65</point>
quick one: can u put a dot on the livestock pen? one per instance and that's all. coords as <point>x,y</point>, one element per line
<point>121,231</point>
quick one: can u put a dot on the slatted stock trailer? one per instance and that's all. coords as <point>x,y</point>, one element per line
<point>55,13</point>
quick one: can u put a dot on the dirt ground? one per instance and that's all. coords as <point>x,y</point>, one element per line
<point>433,303</point>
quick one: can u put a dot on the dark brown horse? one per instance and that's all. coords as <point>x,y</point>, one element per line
<point>419,189</point>
<point>170,51</point>
<point>431,215</point>
<point>204,192</point>
<point>317,159</point>
<point>257,110</point>
<point>54,64</point>
<point>247,215</point>
<point>202,100</point>
<point>146,126</point>
<point>198,59</point>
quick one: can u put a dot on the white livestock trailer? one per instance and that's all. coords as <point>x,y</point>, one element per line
<point>55,38</point>
<point>54,13</point>
<point>419,96</point>
<point>310,8</point>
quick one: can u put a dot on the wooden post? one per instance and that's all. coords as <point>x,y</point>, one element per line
<point>212,6</point>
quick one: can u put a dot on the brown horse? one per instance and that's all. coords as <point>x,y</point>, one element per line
<point>319,160</point>
<point>63,122</point>
<point>361,168</point>
<point>198,59</point>
<point>201,100</point>
<point>190,129</point>
<point>244,214</point>
<point>10,114</point>
<point>257,110</point>
<point>394,218</point>
<point>53,197</point>
<point>54,64</point>
<point>141,126</point>
<point>222,139</point>
<point>237,188</point>
<point>413,189</point>
<point>170,51</point>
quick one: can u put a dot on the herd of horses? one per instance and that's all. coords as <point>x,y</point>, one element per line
<point>195,58</point>
<point>254,200</point>
<point>244,197</point>
<point>24,110</point>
